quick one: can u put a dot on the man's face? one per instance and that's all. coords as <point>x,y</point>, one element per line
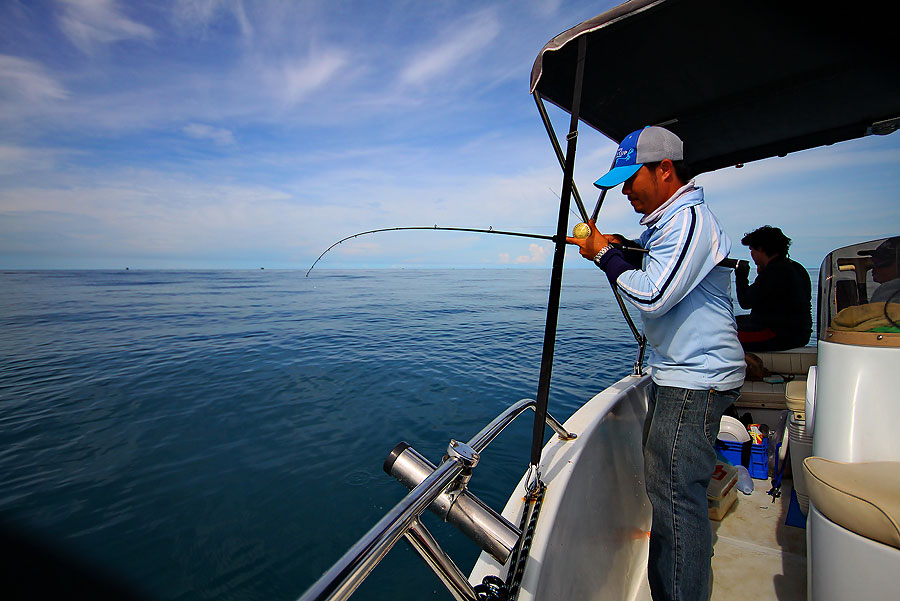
<point>760,257</point>
<point>642,190</point>
<point>884,272</point>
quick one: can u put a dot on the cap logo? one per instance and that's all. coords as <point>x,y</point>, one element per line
<point>623,156</point>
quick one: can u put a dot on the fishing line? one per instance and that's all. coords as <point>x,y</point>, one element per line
<point>556,197</point>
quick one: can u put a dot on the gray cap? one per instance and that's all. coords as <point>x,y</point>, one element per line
<point>651,144</point>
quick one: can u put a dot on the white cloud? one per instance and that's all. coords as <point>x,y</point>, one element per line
<point>536,255</point>
<point>201,131</point>
<point>90,23</point>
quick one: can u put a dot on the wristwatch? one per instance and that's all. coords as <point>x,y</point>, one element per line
<point>602,252</point>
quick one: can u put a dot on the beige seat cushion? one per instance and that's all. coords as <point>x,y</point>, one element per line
<point>762,394</point>
<point>795,395</point>
<point>861,497</point>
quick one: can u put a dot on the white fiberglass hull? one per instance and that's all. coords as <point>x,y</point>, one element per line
<point>591,540</point>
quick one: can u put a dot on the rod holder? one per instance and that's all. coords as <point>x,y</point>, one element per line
<point>492,532</point>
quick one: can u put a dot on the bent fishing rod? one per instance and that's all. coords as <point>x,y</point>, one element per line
<point>458,229</point>
<point>435,227</point>
<point>727,262</point>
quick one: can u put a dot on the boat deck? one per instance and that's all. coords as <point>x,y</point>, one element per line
<point>757,556</point>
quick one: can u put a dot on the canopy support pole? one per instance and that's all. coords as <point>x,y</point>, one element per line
<point>562,225</point>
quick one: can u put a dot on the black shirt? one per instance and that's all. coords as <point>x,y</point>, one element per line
<point>779,299</point>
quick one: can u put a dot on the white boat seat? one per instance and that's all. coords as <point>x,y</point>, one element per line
<point>861,497</point>
<point>794,363</point>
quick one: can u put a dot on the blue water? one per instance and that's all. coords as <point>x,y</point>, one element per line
<point>220,434</point>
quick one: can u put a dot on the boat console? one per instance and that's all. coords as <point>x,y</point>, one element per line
<point>853,475</point>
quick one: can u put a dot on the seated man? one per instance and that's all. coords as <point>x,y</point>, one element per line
<point>779,299</point>
<point>885,268</point>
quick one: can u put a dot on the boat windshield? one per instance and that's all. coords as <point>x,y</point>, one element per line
<point>859,293</point>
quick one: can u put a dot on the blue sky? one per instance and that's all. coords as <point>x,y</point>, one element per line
<point>237,134</point>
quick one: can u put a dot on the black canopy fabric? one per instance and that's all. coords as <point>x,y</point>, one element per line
<point>737,81</point>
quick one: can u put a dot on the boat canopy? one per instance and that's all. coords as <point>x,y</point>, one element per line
<point>804,74</point>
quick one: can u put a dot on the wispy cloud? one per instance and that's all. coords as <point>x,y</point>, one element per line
<point>547,7</point>
<point>19,159</point>
<point>28,93</point>
<point>203,13</point>
<point>295,80</point>
<point>92,23</point>
<point>143,213</point>
<point>452,46</point>
<point>23,80</point>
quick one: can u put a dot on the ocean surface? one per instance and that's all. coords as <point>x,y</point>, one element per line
<point>181,435</point>
<point>220,434</point>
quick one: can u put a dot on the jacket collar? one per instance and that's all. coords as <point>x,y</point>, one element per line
<point>654,217</point>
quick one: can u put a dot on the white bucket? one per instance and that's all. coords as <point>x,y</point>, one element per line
<point>800,447</point>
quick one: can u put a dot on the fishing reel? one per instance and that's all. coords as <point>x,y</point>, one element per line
<point>581,231</point>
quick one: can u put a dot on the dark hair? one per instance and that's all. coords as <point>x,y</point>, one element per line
<point>683,171</point>
<point>770,240</point>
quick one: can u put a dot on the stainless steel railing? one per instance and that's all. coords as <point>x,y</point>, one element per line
<point>449,480</point>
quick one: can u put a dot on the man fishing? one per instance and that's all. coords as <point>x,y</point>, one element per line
<point>696,362</point>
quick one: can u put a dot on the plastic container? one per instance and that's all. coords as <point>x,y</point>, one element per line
<point>759,460</point>
<point>745,482</point>
<point>722,491</point>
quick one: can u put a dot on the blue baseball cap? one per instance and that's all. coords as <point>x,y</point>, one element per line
<point>648,145</point>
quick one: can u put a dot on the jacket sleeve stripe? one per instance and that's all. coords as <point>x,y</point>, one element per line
<point>686,245</point>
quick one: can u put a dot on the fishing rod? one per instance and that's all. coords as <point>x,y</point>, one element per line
<point>435,227</point>
<point>458,229</point>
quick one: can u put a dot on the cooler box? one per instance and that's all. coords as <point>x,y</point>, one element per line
<point>757,463</point>
<point>722,491</point>
<point>731,450</point>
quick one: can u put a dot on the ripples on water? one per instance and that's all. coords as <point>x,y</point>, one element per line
<point>203,435</point>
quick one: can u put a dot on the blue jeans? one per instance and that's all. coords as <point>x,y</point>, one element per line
<point>679,459</point>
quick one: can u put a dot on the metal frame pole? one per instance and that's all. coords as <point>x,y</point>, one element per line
<point>421,539</point>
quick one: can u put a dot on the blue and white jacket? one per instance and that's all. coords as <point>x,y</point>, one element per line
<point>683,296</point>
